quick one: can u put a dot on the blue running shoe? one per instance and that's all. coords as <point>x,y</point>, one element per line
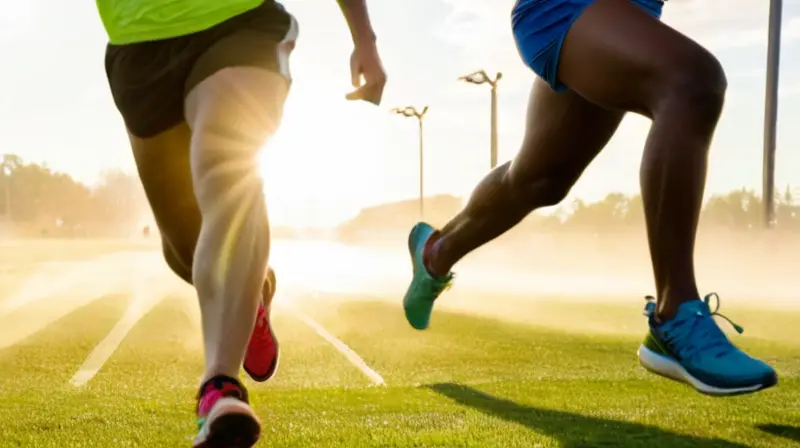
<point>691,348</point>
<point>424,288</point>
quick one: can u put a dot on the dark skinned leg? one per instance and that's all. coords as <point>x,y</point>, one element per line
<point>552,158</point>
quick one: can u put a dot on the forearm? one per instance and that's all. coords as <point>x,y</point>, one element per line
<point>357,17</point>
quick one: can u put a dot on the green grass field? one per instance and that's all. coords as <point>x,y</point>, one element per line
<point>468,381</point>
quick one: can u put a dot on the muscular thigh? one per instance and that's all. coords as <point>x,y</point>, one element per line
<point>563,134</point>
<point>618,55</point>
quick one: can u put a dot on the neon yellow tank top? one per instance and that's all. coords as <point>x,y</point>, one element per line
<point>131,21</point>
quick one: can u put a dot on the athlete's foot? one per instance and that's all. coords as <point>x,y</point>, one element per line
<point>691,348</point>
<point>224,416</point>
<point>425,288</point>
<point>261,359</point>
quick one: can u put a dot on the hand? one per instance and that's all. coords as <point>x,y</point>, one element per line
<point>365,62</point>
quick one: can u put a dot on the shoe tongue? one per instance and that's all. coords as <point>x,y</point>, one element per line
<point>685,311</point>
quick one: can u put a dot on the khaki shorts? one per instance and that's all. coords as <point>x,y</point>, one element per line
<point>150,80</point>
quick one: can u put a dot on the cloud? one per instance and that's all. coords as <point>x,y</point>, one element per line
<point>791,89</point>
<point>729,39</point>
<point>17,18</point>
<point>481,27</point>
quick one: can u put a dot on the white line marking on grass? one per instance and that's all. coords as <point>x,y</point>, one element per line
<point>106,348</point>
<point>348,353</point>
<point>147,287</point>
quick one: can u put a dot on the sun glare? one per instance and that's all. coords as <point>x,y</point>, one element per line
<point>313,168</point>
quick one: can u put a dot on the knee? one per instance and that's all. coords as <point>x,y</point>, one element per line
<point>179,263</point>
<point>271,283</point>
<point>536,190</point>
<point>695,87</point>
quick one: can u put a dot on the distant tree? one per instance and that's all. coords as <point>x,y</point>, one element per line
<point>740,209</point>
<point>119,200</point>
<point>786,212</point>
<point>611,212</point>
<point>8,163</point>
<point>47,203</point>
<point>635,216</point>
<point>737,210</point>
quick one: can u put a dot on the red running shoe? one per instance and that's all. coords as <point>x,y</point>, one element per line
<point>261,360</point>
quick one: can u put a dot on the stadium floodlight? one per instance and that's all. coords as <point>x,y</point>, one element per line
<point>481,77</point>
<point>410,111</point>
<point>413,112</point>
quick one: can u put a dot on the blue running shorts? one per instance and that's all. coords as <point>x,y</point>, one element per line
<point>540,27</point>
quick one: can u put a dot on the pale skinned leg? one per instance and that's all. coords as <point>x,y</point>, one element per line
<point>231,114</point>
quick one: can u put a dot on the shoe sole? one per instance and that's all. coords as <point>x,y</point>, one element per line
<point>231,424</point>
<point>668,368</point>
<point>273,368</point>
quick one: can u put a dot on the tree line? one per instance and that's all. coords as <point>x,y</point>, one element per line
<point>739,210</point>
<point>36,201</point>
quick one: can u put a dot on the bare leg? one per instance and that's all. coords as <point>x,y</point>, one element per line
<point>231,114</point>
<point>165,170</point>
<point>645,66</point>
<point>618,56</point>
<point>552,158</point>
<point>621,58</point>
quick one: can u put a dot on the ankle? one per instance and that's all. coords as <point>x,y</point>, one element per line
<point>217,374</point>
<point>669,305</point>
<point>218,382</point>
<point>430,256</point>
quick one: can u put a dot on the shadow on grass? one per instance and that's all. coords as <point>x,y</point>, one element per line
<point>574,430</point>
<point>787,432</point>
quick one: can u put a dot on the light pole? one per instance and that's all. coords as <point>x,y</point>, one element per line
<point>412,112</point>
<point>771,110</point>
<point>480,77</point>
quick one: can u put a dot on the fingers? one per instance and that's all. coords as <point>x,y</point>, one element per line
<point>355,80</point>
<point>372,93</point>
<point>367,77</point>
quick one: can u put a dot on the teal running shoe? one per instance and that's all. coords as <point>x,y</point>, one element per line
<point>691,348</point>
<point>424,288</point>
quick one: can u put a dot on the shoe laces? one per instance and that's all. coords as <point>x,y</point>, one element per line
<point>698,332</point>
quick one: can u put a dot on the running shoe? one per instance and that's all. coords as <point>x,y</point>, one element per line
<point>261,359</point>
<point>691,348</point>
<point>224,416</point>
<point>424,288</point>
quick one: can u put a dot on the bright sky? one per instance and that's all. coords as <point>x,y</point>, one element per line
<point>333,157</point>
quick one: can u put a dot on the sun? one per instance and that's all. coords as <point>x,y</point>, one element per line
<point>318,167</point>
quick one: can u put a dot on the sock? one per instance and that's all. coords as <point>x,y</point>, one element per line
<point>220,381</point>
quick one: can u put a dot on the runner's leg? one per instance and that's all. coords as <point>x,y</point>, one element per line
<point>552,158</point>
<point>232,113</point>
<point>164,169</point>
